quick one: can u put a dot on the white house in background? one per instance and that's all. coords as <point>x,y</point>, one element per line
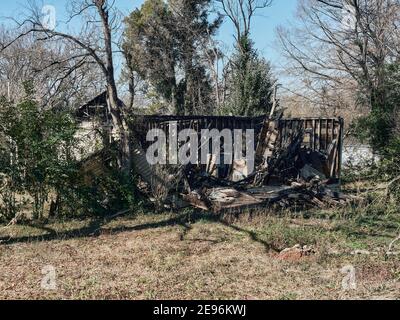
<point>94,126</point>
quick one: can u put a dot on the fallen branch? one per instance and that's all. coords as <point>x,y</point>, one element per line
<point>120,213</point>
<point>390,183</point>
<point>390,252</point>
<point>12,222</point>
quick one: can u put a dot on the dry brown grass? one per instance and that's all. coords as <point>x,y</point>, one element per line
<point>165,257</point>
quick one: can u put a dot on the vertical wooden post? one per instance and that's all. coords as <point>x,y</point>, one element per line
<point>314,133</point>
<point>320,135</point>
<point>326,134</point>
<point>340,147</point>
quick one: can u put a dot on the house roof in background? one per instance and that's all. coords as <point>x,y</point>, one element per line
<point>91,108</point>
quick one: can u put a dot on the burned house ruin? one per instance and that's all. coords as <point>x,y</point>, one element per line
<point>296,160</point>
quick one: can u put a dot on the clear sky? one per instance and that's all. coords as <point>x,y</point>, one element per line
<point>263,29</point>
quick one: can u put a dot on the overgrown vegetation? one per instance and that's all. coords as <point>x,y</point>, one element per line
<point>380,127</point>
<point>36,155</point>
<point>40,175</point>
<point>108,194</point>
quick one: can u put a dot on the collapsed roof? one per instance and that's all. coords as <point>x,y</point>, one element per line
<point>296,159</point>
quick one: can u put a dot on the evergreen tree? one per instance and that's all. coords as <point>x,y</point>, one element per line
<point>249,82</point>
<point>164,42</point>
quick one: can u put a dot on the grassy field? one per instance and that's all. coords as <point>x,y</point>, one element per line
<point>203,256</point>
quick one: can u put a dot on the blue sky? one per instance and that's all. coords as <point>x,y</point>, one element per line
<point>263,28</point>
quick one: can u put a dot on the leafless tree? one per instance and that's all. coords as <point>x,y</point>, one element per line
<point>241,13</point>
<point>94,43</point>
<point>47,67</point>
<point>341,46</point>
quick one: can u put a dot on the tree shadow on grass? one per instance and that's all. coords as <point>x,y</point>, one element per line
<point>253,236</point>
<point>96,228</point>
<point>92,229</point>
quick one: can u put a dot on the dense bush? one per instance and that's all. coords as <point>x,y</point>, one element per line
<point>381,126</point>
<point>35,154</point>
<point>107,194</point>
<point>40,175</point>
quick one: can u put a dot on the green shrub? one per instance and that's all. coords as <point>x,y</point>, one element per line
<point>35,154</point>
<point>39,174</point>
<point>107,194</point>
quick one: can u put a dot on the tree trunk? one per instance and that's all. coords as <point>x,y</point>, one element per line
<point>122,130</point>
<point>131,90</point>
<point>115,106</point>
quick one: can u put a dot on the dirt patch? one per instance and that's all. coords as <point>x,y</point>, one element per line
<point>297,253</point>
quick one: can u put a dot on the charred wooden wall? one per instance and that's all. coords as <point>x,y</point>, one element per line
<point>324,135</point>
